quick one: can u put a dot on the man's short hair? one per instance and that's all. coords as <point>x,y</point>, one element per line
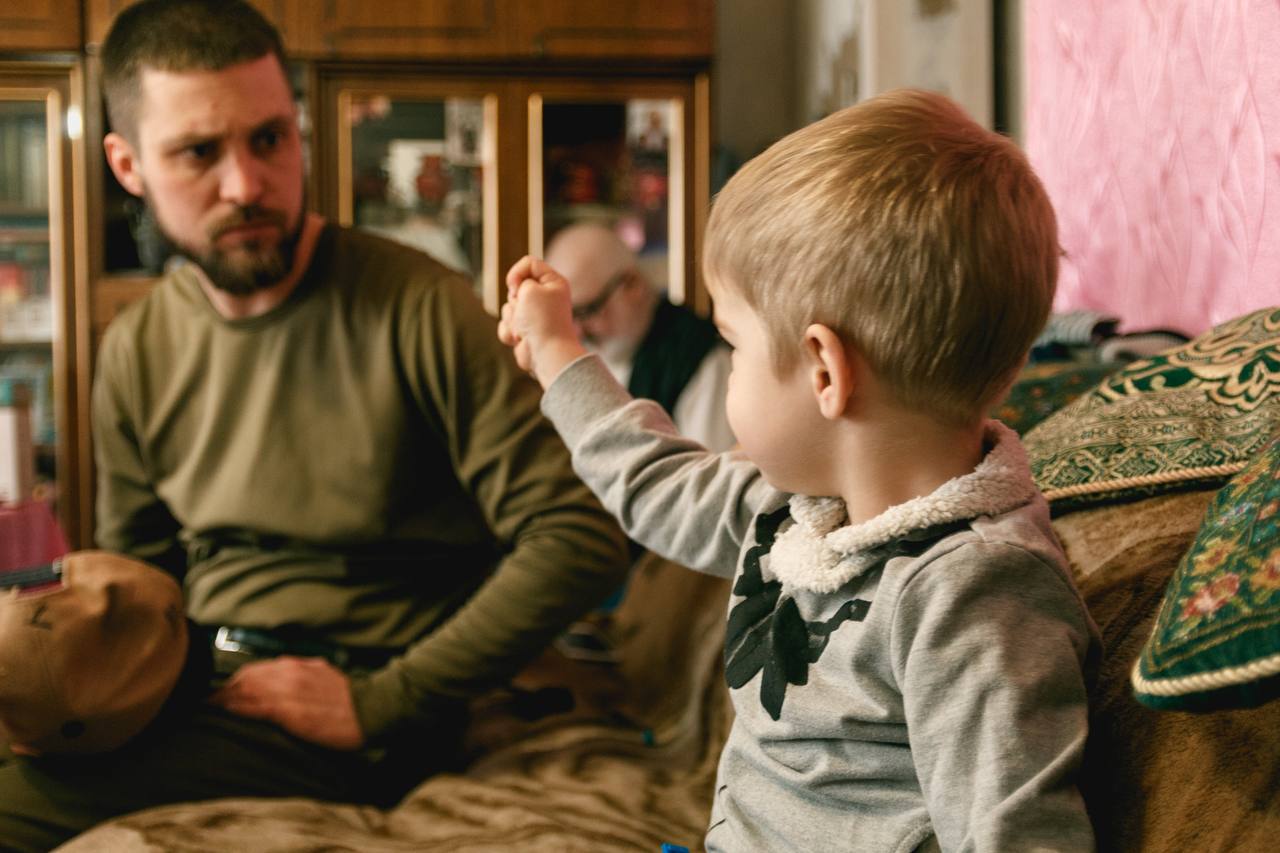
<point>178,35</point>
<point>921,238</point>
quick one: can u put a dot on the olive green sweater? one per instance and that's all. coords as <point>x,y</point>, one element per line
<point>365,460</point>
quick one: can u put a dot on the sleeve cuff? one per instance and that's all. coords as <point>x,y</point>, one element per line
<point>384,706</point>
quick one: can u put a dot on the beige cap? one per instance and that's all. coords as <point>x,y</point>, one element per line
<point>87,663</point>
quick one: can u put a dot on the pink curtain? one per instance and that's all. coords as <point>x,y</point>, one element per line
<point>1155,125</point>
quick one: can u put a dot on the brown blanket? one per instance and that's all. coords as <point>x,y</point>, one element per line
<point>1163,780</point>
<point>630,766</point>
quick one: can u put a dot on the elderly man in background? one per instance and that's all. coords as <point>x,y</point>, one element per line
<point>658,350</point>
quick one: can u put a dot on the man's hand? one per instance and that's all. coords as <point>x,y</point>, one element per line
<point>307,697</point>
<point>537,319</point>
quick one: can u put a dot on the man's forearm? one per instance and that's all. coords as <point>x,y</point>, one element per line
<point>566,562</point>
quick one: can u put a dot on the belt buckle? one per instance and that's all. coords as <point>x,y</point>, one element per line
<point>223,641</point>
<point>240,642</point>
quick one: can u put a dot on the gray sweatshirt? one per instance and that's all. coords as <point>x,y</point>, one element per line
<point>913,682</point>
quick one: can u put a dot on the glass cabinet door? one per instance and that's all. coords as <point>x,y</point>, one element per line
<point>37,118</point>
<point>417,164</point>
<point>617,158</point>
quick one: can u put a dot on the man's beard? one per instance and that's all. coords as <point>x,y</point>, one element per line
<point>612,350</point>
<point>258,266</point>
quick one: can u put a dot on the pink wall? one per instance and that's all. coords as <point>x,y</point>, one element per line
<point>1155,125</point>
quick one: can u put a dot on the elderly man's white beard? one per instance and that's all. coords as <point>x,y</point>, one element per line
<point>614,352</point>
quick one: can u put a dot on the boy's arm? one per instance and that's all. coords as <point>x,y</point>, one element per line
<point>671,494</point>
<point>988,646</point>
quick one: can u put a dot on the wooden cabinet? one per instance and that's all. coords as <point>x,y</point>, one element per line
<point>286,15</point>
<point>409,29</point>
<point>510,29</point>
<point>668,29</point>
<point>40,25</point>
<point>431,30</point>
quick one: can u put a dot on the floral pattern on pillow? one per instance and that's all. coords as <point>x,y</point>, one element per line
<point>1216,641</point>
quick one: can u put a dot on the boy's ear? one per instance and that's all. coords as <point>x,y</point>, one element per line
<point>832,370</point>
<point>123,160</point>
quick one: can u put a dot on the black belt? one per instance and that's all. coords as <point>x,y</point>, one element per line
<point>264,643</point>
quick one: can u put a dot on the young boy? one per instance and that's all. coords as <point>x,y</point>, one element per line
<point>905,648</point>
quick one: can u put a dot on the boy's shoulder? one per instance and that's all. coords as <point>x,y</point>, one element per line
<point>986,569</point>
<point>977,547</point>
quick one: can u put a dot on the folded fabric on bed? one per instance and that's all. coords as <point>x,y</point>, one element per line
<point>1189,417</point>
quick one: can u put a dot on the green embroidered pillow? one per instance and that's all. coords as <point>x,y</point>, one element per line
<point>1043,388</point>
<point>1189,417</point>
<point>1216,641</point>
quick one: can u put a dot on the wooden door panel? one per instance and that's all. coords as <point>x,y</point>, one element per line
<point>619,28</point>
<point>98,15</point>
<point>40,25</point>
<point>412,29</point>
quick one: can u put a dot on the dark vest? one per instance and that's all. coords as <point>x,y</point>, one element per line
<point>670,353</point>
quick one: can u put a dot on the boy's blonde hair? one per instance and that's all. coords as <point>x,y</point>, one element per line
<point>922,239</point>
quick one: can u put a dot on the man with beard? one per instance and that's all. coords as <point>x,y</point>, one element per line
<point>318,432</point>
<point>659,351</point>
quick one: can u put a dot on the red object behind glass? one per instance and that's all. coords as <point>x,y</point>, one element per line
<point>29,536</point>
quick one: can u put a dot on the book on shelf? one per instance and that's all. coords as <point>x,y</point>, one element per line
<point>17,451</point>
<point>24,160</point>
<point>12,287</point>
<point>33,370</point>
<point>35,166</point>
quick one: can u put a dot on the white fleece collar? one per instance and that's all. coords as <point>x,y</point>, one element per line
<point>821,553</point>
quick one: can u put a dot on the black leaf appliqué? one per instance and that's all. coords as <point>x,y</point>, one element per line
<point>765,633</point>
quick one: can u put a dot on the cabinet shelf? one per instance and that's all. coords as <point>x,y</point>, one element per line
<point>25,211</point>
<point>25,345</point>
<point>24,235</point>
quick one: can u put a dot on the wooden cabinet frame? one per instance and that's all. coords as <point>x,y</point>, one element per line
<point>60,85</point>
<point>513,100</point>
<point>40,25</point>
<point>332,97</point>
<point>690,172</point>
<point>454,30</point>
